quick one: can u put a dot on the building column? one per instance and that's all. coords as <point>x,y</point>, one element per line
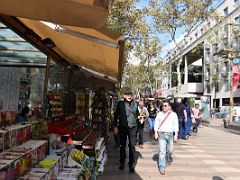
<point>185,69</point>
<point>178,72</point>
<point>170,77</point>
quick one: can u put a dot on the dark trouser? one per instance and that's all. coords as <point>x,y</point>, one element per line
<point>181,132</point>
<point>129,133</point>
<point>195,126</point>
<point>140,132</point>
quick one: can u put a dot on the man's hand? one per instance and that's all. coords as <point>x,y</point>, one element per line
<point>156,135</point>
<point>115,131</point>
<point>175,138</point>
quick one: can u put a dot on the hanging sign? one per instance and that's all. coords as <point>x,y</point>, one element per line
<point>235,75</point>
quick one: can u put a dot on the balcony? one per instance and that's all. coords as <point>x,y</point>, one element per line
<point>207,60</point>
<point>222,49</point>
<point>184,90</point>
<point>224,71</point>
<point>191,88</point>
<point>207,76</point>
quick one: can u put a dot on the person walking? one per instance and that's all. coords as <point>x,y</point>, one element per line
<point>152,115</point>
<point>196,113</point>
<point>125,123</point>
<point>166,124</point>
<point>143,116</point>
<point>188,124</point>
<point>181,112</point>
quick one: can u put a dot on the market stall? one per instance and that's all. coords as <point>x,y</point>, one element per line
<point>69,139</point>
<point>69,72</point>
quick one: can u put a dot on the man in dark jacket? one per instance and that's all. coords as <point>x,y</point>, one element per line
<point>125,121</point>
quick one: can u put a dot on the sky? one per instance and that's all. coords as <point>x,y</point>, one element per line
<point>165,38</point>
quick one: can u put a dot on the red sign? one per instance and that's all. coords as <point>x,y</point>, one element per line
<point>235,75</point>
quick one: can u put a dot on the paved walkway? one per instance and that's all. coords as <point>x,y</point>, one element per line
<point>212,154</point>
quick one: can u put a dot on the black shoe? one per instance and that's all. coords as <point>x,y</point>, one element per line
<point>121,167</point>
<point>131,169</point>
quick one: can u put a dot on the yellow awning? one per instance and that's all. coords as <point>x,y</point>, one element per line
<point>83,13</point>
<point>96,50</point>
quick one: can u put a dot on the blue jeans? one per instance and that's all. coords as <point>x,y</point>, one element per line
<point>182,128</point>
<point>165,140</point>
<point>151,122</point>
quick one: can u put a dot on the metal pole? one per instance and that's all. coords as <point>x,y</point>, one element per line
<point>47,73</point>
<point>231,93</point>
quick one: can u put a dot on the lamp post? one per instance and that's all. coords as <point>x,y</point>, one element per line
<point>231,91</point>
<point>230,52</point>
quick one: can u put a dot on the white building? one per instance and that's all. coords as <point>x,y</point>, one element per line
<point>203,58</point>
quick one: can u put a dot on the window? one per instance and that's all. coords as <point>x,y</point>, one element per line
<point>237,45</point>
<point>236,2</point>
<point>217,86</point>
<point>225,101</point>
<point>226,85</point>
<point>208,88</point>
<point>225,11</point>
<point>237,19</point>
<point>209,24</point>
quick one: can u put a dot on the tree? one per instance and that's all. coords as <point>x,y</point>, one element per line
<point>140,43</point>
<point>170,16</point>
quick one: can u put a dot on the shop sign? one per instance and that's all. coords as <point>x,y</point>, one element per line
<point>235,75</point>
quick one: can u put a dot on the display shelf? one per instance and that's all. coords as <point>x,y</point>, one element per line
<point>55,107</point>
<point>102,165</point>
<point>100,113</point>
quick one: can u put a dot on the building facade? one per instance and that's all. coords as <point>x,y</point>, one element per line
<point>201,64</point>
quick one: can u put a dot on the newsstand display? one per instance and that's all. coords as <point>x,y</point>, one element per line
<point>54,146</point>
<point>55,107</point>
<point>82,104</point>
<point>100,113</point>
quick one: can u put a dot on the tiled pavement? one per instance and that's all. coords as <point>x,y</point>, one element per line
<point>212,154</point>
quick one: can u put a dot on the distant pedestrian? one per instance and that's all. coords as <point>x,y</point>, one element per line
<point>143,116</point>
<point>155,105</point>
<point>196,113</point>
<point>165,126</point>
<point>180,109</point>
<point>188,124</point>
<point>127,113</point>
<point>152,115</point>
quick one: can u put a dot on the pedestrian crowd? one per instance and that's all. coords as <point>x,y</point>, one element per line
<point>167,122</point>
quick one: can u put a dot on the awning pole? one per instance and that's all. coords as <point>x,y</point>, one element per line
<point>47,73</point>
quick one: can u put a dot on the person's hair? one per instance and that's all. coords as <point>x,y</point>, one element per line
<point>166,101</point>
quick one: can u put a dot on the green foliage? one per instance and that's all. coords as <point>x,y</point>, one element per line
<point>191,101</point>
<point>140,28</point>
<point>170,15</point>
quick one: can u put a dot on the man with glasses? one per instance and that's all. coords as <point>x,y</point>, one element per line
<point>166,124</point>
<point>125,119</point>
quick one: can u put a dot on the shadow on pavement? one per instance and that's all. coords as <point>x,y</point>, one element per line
<point>217,178</point>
